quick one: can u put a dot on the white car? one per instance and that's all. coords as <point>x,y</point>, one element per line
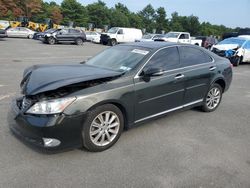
<point>93,36</point>
<point>150,37</point>
<point>237,49</point>
<point>20,32</point>
<point>181,37</point>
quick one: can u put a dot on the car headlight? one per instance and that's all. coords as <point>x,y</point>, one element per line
<point>51,106</point>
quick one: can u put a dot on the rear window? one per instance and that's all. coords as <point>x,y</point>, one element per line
<point>193,56</point>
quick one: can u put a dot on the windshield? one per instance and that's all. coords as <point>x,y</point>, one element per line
<point>113,30</point>
<point>238,41</point>
<point>172,35</point>
<point>147,36</point>
<point>119,58</point>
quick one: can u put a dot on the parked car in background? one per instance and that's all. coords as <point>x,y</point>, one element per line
<point>237,49</point>
<point>93,36</point>
<point>40,35</point>
<point>3,33</point>
<point>71,35</point>
<point>89,105</point>
<point>180,37</point>
<point>20,32</point>
<point>117,35</point>
<point>207,42</point>
<point>150,37</point>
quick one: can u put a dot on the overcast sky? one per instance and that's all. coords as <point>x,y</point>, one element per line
<point>230,13</point>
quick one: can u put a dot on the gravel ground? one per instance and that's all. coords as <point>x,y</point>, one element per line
<point>183,149</point>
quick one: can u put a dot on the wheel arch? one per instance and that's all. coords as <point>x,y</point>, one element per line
<point>221,82</point>
<point>116,103</point>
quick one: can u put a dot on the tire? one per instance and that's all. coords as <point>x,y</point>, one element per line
<point>112,42</point>
<point>51,40</point>
<point>30,36</point>
<point>96,128</point>
<point>212,99</point>
<point>237,61</point>
<point>79,41</point>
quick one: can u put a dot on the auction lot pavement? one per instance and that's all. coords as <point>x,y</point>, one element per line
<point>183,149</point>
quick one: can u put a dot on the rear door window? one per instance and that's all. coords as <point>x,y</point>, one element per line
<point>192,56</point>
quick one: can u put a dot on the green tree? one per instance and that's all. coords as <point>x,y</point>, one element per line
<point>99,14</point>
<point>148,17</point>
<point>118,18</point>
<point>122,8</point>
<point>175,23</point>
<point>136,21</point>
<point>73,11</point>
<point>161,21</point>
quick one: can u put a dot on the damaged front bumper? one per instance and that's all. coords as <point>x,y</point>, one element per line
<point>47,132</point>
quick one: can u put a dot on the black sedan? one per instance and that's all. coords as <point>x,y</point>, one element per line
<point>91,103</point>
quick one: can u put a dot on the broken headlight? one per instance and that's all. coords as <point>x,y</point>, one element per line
<point>51,106</point>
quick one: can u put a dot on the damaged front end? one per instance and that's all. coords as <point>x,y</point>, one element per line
<point>232,54</point>
<point>39,114</point>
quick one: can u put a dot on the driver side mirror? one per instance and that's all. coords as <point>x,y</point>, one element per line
<point>151,72</point>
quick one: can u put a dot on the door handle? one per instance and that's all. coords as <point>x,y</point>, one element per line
<point>212,68</point>
<point>179,76</point>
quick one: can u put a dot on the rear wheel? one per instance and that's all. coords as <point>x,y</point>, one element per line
<point>102,128</point>
<point>213,98</point>
<point>51,40</point>
<point>79,41</point>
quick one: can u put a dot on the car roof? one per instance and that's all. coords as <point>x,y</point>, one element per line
<point>154,44</point>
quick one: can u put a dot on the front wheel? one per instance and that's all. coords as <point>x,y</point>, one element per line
<point>51,40</point>
<point>102,128</point>
<point>213,98</point>
<point>112,42</point>
<point>30,36</point>
<point>237,61</point>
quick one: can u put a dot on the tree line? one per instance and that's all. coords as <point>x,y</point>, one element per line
<point>99,15</point>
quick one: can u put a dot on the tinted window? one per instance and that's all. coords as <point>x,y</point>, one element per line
<point>184,36</point>
<point>120,31</point>
<point>74,31</point>
<point>192,56</point>
<point>165,59</point>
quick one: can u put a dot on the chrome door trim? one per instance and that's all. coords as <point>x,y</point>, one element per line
<point>170,110</point>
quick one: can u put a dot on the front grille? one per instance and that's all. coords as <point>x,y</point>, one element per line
<point>26,104</point>
<point>104,38</point>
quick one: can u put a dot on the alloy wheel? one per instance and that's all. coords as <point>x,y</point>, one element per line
<point>213,98</point>
<point>104,128</point>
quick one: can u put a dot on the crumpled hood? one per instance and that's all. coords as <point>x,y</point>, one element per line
<point>41,78</point>
<point>225,46</point>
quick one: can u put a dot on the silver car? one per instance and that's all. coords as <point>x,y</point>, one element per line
<point>20,32</point>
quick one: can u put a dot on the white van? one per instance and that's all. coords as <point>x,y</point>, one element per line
<point>117,35</point>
